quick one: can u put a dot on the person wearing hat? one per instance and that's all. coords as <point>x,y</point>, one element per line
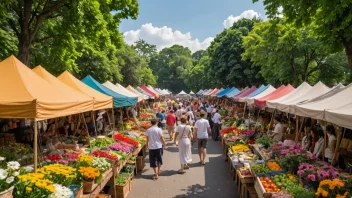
<point>278,130</point>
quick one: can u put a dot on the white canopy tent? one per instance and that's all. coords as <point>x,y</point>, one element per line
<point>182,93</point>
<point>341,116</point>
<point>125,91</point>
<point>191,93</point>
<point>317,109</point>
<point>294,95</point>
<point>269,90</point>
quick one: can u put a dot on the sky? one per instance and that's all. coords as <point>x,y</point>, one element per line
<point>191,23</point>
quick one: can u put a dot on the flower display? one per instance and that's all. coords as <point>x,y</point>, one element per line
<point>101,163</point>
<point>106,155</point>
<point>59,173</point>
<point>84,160</point>
<point>33,185</point>
<point>61,192</point>
<point>8,175</point>
<point>120,147</point>
<point>89,173</point>
<point>119,137</point>
<point>331,188</point>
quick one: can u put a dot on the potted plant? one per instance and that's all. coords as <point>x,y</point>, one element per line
<point>8,173</point>
<point>89,175</point>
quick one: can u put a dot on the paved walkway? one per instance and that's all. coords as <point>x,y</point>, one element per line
<point>212,180</point>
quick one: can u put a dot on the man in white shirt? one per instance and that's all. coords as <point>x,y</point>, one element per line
<point>278,130</point>
<point>201,130</point>
<point>156,142</point>
<point>217,125</point>
<point>209,110</point>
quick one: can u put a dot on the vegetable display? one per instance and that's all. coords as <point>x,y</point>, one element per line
<point>260,168</point>
<point>102,142</point>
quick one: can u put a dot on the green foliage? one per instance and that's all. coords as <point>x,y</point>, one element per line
<point>145,49</point>
<point>171,66</point>
<point>286,54</point>
<point>226,65</point>
<point>331,20</point>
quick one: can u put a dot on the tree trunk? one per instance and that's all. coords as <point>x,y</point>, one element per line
<point>24,48</point>
<point>348,49</point>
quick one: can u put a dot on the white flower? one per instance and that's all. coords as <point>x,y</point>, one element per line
<point>13,165</point>
<point>16,173</point>
<point>61,192</point>
<point>3,173</point>
<point>2,158</point>
<point>9,180</point>
<point>28,169</point>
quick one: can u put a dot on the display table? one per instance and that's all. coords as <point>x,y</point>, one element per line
<point>243,183</point>
<point>107,176</point>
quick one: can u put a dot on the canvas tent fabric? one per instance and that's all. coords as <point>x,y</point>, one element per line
<point>288,105</point>
<point>267,91</point>
<point>213,91</point>
<point>144,88</point>
<point>245,93</point>
<point>131,99</point>
<point>281,91</point>
<point>182,93</point>
<point>217,91</point>
<point>24,94</point>
<point>232,93</point>
<point>139,94</point>
<point>144,92</point>
<point>256,92</point>
<point>119,100</point>
<point>301,90</point>
<point>221,93</point>
<point>101,101</point>
<point>316,110</point>
<point>125,91</point>
<point>191,93</point>
<point>330,93</point>
<point>341,116</point>
<point>152,90</point>
<point>207,92</point>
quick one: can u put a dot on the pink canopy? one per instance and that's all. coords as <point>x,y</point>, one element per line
<point>245,93</point>
<point>278,93</point>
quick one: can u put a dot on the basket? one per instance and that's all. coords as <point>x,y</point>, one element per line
<point>7,193</point>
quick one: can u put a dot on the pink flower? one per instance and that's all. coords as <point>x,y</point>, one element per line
<point>284,152</point>
<point>323,174</point>
<point>300,172</point>
<point>311,177</point>
<point>296,151</point>
<point>311,156</point>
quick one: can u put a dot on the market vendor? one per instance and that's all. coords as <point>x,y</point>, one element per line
<point>318,145</point>
<point>65,130</point>
<point>330,150</point>
<point>278,130</point>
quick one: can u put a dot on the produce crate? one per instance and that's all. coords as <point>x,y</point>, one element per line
<point>260,189</point>
<point>140,163</point>
<point>273,173</point>
<point>258,174</point>
<point>122,191</point>
<point>243,183</point>
<point>251,193</point>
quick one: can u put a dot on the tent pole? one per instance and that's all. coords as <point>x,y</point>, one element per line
<point>337,145</point>
<point>272,117</point>
<point>93,119</point>
<point>297,117</point>
<point>35,145</point>
<point>113,119</point>
<point>85,123</point>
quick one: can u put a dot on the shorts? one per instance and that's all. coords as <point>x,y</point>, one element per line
<point>202,143</point>
<point>155,157</point>
<point>171,129</point>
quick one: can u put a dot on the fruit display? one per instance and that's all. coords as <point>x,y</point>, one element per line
<point>260,168</point>
<point>274,166</point>
<point>240,147</point>
<point>245,172</point>
<point>284,180</point>
<point>145,116</point>
<point>269,185</point>
<point>146,125</point>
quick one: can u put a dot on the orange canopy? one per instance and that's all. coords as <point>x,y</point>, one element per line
<point>101,101</point>
<point>26,95</point>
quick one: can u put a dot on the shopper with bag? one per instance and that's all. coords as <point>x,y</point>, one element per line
<point>184,134</point>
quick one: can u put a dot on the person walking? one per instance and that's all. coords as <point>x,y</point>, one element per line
<point>217,125</point>
<point>170,123</point>
<point>161,117</point>
<point>184,134</point>
<point>156,145</point>
<point>201,130</point>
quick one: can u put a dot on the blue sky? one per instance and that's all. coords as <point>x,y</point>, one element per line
<point>192,23</point>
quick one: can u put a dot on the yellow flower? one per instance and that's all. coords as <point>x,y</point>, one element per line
<point>338,183</point>
<point>29,189</point>
<point>325,193</point>
<point>318,193</point>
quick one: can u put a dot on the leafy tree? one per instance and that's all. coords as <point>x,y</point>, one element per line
<point>171,66</point>
<point>196,56</point>
<point>145,49</point>
<point>197,77</point>
<point>226,65</point>
<point>331,20</point>
<point>287,54</point>
<point>63,30</point>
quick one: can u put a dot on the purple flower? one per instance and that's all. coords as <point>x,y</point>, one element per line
<point>302,166</point>
<point>332,173</point>
<point>300,172</point>
<point>323,174</point>
<point>119,147</point>
<point>311,177</point>
<point>296,151</point>
<point>284,152</point>
<point>311,156</point>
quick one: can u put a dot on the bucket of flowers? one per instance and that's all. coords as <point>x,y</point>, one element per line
<point>89,175</point>
<point>8,173</point>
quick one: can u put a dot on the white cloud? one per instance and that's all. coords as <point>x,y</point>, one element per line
<point>248,14</point>
<point>165,37</point>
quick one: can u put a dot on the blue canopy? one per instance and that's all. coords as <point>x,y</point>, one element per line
<point>223,92</point>
<point>205,90</point>
<point>258,91</point>
<point>232,92</point>
<point>119,100</point>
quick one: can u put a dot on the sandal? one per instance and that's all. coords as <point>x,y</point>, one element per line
<point>186,167</point>
<point>154,177</point>
<point>181,172</point>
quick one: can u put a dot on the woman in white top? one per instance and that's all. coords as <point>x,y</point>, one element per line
<point>184,134</point>
<point>190,116</point>
<point>319,145</point>
<point>278,130</point>
<point>330,150</point>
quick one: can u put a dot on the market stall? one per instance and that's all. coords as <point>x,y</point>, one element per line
<point>256,92</point>
<point>278,93</point>
<point>139,94</point>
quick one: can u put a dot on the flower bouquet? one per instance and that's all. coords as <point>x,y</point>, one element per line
<point>8,178</point>
<point>89,175</point>
<point>33,185</point>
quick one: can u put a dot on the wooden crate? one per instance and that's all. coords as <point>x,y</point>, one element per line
<point>251,193</point>
<point>243,183</point>
<point>122,191</point>
<point>140,163</point>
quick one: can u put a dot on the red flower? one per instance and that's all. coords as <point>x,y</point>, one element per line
<point>103,154</point>
<point>119,137</point>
